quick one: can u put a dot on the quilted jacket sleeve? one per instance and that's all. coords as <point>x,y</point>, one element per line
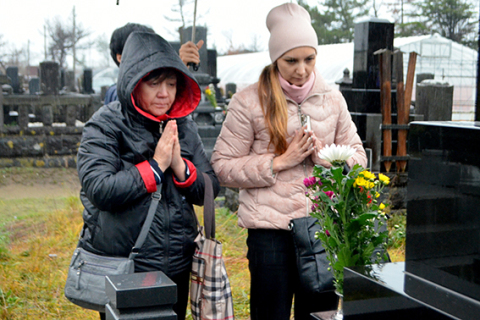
<point>106,183</point>
<point>233,159</point>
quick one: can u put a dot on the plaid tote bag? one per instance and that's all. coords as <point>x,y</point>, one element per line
<point>210,293</point>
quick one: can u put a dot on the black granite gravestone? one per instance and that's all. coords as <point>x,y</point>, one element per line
<point>140,296</point>
<point>362,93</point>
<point>70,81</point>
<point>34,85</point>
<point>370,36</point>
<point>230,90</point>
<point>62,79</point>
<point>12,73</point>
<point>440,278</point>
<point>49,77</point>
<point>87,81</point>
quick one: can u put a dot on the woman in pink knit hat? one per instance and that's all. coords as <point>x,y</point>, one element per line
<point>264,150</point>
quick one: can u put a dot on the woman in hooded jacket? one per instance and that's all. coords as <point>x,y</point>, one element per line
<point>264,150</point>
<point>131,146</point>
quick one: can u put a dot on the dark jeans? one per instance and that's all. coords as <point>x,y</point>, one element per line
<point>183,282</point>
<point>274,279</point>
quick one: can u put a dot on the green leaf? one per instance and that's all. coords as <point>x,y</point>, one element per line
<point>337,174</point>
<point>365,216</point>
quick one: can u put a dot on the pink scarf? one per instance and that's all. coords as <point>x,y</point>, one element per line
<point>296,93</point>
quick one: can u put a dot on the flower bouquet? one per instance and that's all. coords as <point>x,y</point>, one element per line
<point>210,93</point>
<point>346,207</point>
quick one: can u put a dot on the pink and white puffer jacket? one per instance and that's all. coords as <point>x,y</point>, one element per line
<point>242,156</point>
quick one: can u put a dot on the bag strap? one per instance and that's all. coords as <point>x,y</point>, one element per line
<point>208,208</point>
<point>156,196</point>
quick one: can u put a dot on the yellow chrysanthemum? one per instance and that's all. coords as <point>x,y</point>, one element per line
<point>360,181</point>
<point>381,206</point>
<point>385,180</point>
<point>208,91</point>
<point>368,175</point>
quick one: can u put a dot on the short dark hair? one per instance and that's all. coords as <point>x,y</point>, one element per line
<point>120,35</point>
<point>163,73</point>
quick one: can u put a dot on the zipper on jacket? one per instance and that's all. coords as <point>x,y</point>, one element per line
<point>160,127</point>
<point>167,219</point>
<point>304,162</point>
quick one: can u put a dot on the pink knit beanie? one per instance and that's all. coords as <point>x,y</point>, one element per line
<point>290,27</point>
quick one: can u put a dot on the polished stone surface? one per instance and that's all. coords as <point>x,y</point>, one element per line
<point>378,292</point>
<point>443,205</point>
<point>440,278</point>
<point>145,289</point>
<point>370,36</point>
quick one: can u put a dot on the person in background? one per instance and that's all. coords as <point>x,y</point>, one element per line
<point>188,51</point>
<point>264,150</point>
<point>142,142</point>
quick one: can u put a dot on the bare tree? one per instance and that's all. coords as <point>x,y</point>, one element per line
<point>2,52</point>
<point>232,49</point>
<point>3,45</point>
<point>64,39</point>
<point>183,10</point>
<point>102,45</point>
<point>228,34</point>
<point>256,44</point>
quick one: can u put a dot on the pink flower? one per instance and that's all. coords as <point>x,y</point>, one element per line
<point>327,233</point>
<point>308,182</point>
<point>329,194</point>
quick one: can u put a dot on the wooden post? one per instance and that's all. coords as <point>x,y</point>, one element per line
<point>412,60</point>
<point>401,114</point>
<point>386,102</point>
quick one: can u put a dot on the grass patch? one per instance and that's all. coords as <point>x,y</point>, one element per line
<point>234,241</point>
<point>37,238</point>
<point>34,258</point>
<point>397,235</point>
<point>36,247</point>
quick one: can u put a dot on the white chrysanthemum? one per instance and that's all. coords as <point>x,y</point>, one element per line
<point>336,155</point>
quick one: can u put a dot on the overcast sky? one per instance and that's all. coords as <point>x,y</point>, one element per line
<point>236,21</point>
<point>22,21</point>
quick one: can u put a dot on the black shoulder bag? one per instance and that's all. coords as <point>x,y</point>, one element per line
<point>85,284</point>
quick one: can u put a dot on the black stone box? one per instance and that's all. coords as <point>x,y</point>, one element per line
<point>139,290</point>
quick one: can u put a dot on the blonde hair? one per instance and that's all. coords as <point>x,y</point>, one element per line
<point>274,106</point>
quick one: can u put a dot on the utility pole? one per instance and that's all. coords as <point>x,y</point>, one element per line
<point>477,102</point>
<point>45,41</point>
<point>28,59</point>
<point>74,42</point>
